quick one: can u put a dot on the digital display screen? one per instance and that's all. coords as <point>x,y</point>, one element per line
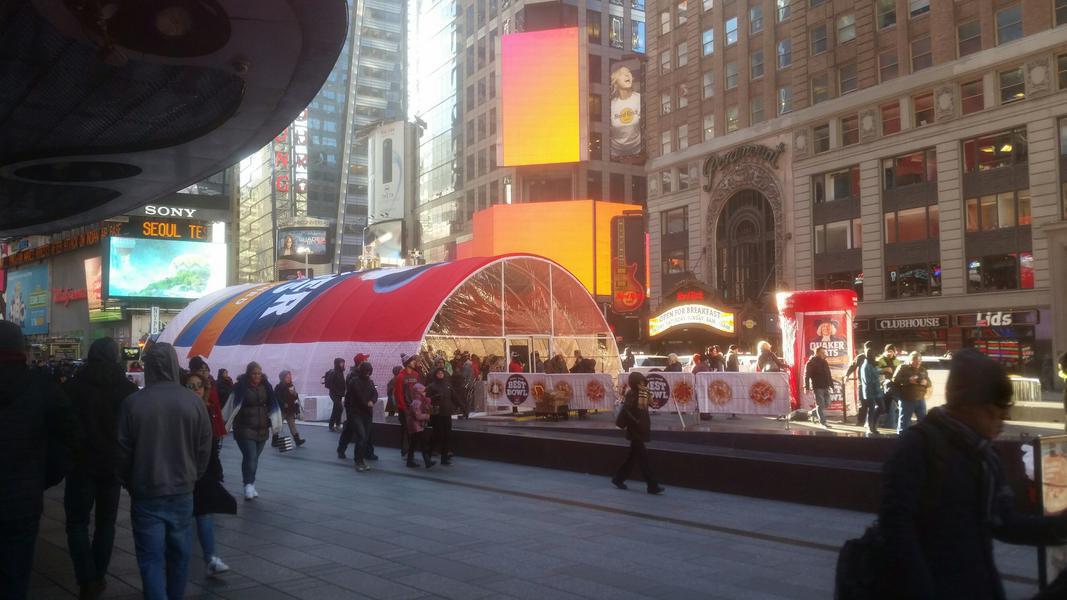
<point>154,268</point>
<point>540,97</point>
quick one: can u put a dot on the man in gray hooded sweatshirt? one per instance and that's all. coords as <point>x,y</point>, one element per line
<point>164,444</point>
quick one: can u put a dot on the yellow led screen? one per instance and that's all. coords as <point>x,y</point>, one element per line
<point>540,99</point>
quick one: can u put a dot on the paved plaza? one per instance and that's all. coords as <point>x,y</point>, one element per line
<point>481,529</point>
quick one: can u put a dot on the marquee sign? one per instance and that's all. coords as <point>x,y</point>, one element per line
<point>757,151</point>
<point>691,314</point>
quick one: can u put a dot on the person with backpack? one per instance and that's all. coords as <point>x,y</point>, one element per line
<point>334,380</point>
<point>945,496</point>
<point>872,392</point>
<point>633,417</point>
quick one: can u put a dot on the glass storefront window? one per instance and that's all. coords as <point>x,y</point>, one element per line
<point>907,281</point>
<point>1000,272</point>
<point>997,211</point>
<point>841,281</point>
<point>918,167</point>
<point>1003,149</point>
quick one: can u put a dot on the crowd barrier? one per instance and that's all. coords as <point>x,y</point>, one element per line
<point>718,392</point>
<point>580,391</point>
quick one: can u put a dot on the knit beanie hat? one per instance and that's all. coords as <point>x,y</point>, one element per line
<point>12,344</point>
<point>975,379</point>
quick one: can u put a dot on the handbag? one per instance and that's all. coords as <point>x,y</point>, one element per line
<point>283,443</point>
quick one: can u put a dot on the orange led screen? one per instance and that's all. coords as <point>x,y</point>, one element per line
<point>540,99</point>
<point>562,231</point>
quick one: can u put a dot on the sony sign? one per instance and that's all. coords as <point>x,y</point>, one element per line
<point>169,211</point>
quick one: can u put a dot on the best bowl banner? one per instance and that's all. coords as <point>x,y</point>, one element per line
<point>580,391</point>
<point>716,392</point>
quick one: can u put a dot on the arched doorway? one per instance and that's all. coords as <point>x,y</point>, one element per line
<point>745,249</point>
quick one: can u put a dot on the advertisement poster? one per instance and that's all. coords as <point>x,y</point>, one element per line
<point>627,144</point>
<point>150,268</point>
<point>94,281</point>
<point>1051,468</point>
<point>385,170</point>
<point>385,242</point>
<point>627,263</point>
<point>830,330</point>
<point>27,299</point>
<point>295,243</point>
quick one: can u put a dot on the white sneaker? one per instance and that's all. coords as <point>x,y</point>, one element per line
<point>255,494</point>
<point>250,492</point>
<point>216,566</point>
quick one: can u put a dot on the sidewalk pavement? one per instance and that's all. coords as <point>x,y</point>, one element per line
<point>482,529</point>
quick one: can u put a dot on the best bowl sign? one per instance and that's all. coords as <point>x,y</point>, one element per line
<point>691,314</point>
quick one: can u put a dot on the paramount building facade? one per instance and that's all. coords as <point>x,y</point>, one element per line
<point>915,152</point>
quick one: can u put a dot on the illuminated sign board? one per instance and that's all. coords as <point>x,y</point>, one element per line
<point>164,268</point>
<point>541,99</point>
<point>164,229</point>
<point>691,314</point>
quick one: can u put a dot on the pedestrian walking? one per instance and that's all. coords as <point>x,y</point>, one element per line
<point>873,393</point>
<point>418,415</point>
<point>164,447</point>
<point>887,365</point>
<point>855,367</point>
<point>945,497</point>
<point>403,389</point>
<point>289,402</point>
<point>251,413</point>
<point>443,404</point>
<point>96,393</point>
<point>633,417</point>
<point>819,381</point>
<point>390,393</point>
<point>768,361</point>
<point>360,399</point>
<point>912,381</point>
<point>334,380</point>
<point>209,496</point>
<point>733,364</point>
<point>39,423</point>
<point>223,385</point>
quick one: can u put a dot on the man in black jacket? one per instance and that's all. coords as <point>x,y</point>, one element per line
<point>335,382</point>
<point>38,421</point>
<point>633,417</point>
<point>817,379</point>
<point>360,397</point>
<point>96,391</point>
<point>443,398</point>
<point>945,498</point>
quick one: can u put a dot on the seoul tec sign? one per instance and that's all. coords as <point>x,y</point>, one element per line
<point>691,314</point>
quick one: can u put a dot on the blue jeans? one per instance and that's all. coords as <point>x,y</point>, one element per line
<point>250,451</point>
<point>162,536</point>
<point>82,492</point>
<point>205,532</point>
<point>873,412</point>
<point>822,398</point>
<point>891,412</point>
<point>906,409</point>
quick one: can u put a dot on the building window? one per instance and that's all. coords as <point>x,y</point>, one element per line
<point>596,146</point>
<point>785,53</point>
<point>596,107</point>
<point>838,236</point>
<point>846,78</point>
<point>732,119</point>
<point>755,19</point>
<point>708,5</point>
<point>615,33</point>
<point>665,181</point>
<point>707,41</point>
<point>890,118</point>
<point>674,262</point>
<point>918,7</point>
<point>841,281</point>
<point>1063,155</point>
<point>820,88</point>
<point>923,106</point>
<point>1012,271</point>
<point>1061,69</point>
<point>683,179</point>
<point>785,100</point>
<point>756,64</point>
<point>822,138</point>
<point>637,36</point>
<point>1061,12</point>
<point>709,127</point>
<point>1012,85</point>
<point>972,97</point>
<point>683,95</point>
<point>886,13</point>
<point>887,66</point>
<point>756,113</point>
<point>970,37</point>
<point>917,167</point>
<point>731,75</point>
<point>918,279</point>
<point>921,57</point>
<point>665,143</point>
<point>709,84</point>
<point>665,104</point>
<point>675,221</point>
<point>1009,24</point>
<point>594,69</point>
<point>683,54</point>
<point>836,186</point>
<point>665,62</point>
<point>912,224</point>
<point>683,11</point>
<point>996,150</point>
<point>846,28</point>
<point>592,26</point>
<point>819,43</point>
<point>782,7</point>
<point>665,22</point>
<point>683,137</point>
<point>998,211</point>
<point>731,31</point>
<point>850,130</point>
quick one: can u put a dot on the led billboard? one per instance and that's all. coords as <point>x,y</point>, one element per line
<point>27,299</point>
<point>164,269</point>
<point>294,243</point>
<point>540,98</point>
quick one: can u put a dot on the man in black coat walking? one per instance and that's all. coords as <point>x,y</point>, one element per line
<point>443,398</point>
<point>335,382</point>
<point>360,397</point>
<point>634,418</point>
<point>817,379</point>
<point>96,391</point>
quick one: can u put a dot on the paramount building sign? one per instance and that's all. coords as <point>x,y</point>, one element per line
<point>757,151</point>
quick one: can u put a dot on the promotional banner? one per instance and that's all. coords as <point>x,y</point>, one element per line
<point>743,393</point>
<point>27,298</point>
<point>626,136</point>
<point>811,319</point>
<point>1050,470</point>
<point>831,331</point>
<point>579,391</point>
<point>386,147</point>
<point>515,389</point>
<point>298,244</point>
<point>668,392</point>
<point>165,269</point>
<point>94,282</point>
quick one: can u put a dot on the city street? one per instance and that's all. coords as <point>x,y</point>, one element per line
<point>483,529</point>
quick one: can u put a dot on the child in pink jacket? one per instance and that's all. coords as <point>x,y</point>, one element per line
<point>418,416</point>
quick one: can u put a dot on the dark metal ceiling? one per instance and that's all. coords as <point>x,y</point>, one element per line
<point>106,105</point>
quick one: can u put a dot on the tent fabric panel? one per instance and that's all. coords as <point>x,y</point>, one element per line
<point>527,298</point>
<point>473,310</point>
<point>573,311</point>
